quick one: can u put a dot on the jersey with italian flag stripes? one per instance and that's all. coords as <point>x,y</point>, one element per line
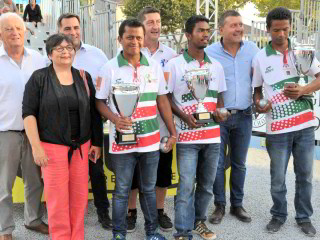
<point>151,79</point>
<point>183,98</point>
<point>273,69</point>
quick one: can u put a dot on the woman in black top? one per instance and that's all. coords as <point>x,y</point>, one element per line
<point>33,11</point>
<point>64,128</point>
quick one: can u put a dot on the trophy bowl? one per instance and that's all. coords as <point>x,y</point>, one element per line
<point>198,81</point>
<point>125,97</point>
<point>303,56</point>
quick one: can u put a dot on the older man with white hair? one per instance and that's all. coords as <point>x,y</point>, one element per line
<point>17,63</point>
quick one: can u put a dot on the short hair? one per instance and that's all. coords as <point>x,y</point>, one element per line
<point>146,10</point>
<point>228,13</point>
<point>55,40</point>
<point>8,15</point>
<point>193,20</point>
<point>66,16</point>
<point>133,23</point>
<point>279,13</point>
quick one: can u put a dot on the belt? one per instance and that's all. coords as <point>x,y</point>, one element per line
<point>17,131</point>
<point>235,111</point>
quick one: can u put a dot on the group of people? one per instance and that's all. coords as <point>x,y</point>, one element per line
<point>51,112</point>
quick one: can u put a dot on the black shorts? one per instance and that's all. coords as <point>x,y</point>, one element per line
<point>164,173</point>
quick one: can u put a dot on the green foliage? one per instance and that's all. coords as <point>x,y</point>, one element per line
<point>173,13</point>
<point>264,6</point>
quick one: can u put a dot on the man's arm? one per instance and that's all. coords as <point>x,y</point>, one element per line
<point>166,114</point>
<point>187,118</point>
<point>257,96</point>
<point>121,123</point>
<point>298,91</point>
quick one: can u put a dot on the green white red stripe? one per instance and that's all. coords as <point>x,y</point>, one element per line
<point>292,122</point>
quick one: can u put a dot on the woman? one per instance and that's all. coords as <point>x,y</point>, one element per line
<point>33,11</point>
<point>60,119</point>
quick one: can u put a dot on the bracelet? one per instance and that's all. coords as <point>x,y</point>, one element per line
<point>174,137</point>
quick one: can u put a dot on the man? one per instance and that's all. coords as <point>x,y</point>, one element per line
<point>195,139</point>
<point>8,6</point>
<point>235,55</point>
<point>290,120</point>
<point>131,66</point>
<point>90,59</point>
<point>151,19</point>
<point>16,65</point>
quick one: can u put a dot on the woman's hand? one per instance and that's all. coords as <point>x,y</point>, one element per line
<point>94,153</point>
<point>40,157</point>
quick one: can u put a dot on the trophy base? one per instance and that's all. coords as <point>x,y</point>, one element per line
<point>205,117</point>
<point>126,138</point>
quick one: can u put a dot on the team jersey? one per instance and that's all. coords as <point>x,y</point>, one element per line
<point>149,76</point>
<point>272,69</point>
<point>183,98</point>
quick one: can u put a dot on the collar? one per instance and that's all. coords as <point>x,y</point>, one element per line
<point>222,46</point>
<point>83,46</point>
<point>159,49</point>
<point>189,59</point>
<point>124,62</point>
<point>270,51</point>
<point>3,52</point>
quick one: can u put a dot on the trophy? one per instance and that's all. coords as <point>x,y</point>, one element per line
<point>125,98</point>
<point>304,55</point>
<point>198,81</point>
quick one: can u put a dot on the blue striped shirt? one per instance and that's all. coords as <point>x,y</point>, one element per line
<point>237,72</point>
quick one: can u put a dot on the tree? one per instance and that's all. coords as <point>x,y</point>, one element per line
<point>173,13</point>
<point>264,6</point>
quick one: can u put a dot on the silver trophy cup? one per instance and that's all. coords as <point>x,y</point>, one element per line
<point>304,55</point>
<point>125,98</point>
<point>198,81</point>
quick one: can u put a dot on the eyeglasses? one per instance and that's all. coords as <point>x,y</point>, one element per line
<point>60,49</point>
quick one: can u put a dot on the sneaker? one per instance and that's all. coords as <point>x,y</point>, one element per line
<point>156,236</point>
<point>118,236</point>
<point>131,221</point>
<point>307,228</point>
<point>181,238</point>
<point>105,220</point>
<point>274,225</point>
<point>164,222</point>
<point>217,214</point>
<point>204,232</point>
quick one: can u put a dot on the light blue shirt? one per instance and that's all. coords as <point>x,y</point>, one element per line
<point>237,72</point>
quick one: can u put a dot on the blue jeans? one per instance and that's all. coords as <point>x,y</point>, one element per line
<point>235,132</point>
<point>280,146</point>
<point>191,203</point>
<point>123,166</point>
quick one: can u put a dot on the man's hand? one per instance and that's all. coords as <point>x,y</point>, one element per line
<point>170,143</point>
<point>294,92</point>
<point>191,121</point>
<point>221,117</point>
<point>5,9</point>
<point>40,157</point>
<point>123,123</point>
<point>264,109</point>
<point>94,153</point>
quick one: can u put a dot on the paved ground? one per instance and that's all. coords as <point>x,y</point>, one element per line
<point>257,202</point>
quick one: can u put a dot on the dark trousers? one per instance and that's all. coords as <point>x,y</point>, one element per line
<point>98,184</point>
